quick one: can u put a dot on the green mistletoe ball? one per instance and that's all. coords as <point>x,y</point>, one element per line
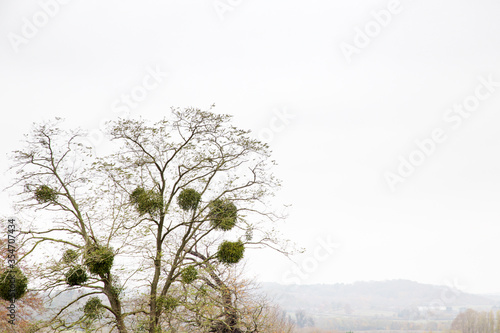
<point>230,252</point>
<point>223,214</point>
<point>76,276</point>
<point>44,194</point>
<point>188,199</point>
<point>13,284</point>
<point>99,259</point>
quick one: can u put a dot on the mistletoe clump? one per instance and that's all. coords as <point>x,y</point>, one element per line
<point>93,308</point>
<point>223,214</point>
<point>188,199</point>
<point>69,256</point>
<point>13,284</point>
<point>168,303</point>
<point>189,274</point>
<point>76,276</point>
<point>230,252</point>
<point>146,202</point>
<point>99,259</point>
<point>45,194</point>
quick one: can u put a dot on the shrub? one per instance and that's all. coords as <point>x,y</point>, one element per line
<point>93,308</point>
<point>223,214</point>
<point>44,194</point>
<point>76,276</point>
<point>13,278</point>
<point>99,259</point>
<point>230,252</point>
<point>189,274</point>
<point>188,199</point>
<point>149,202</point>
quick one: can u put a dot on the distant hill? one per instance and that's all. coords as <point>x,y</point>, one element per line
<point>394,295</point>
<point>392,306</point>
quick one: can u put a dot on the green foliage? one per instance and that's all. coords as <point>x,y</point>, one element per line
<point>189,274</point>
<point>188,199</point>
<point>93,308</point>
<point>249,233</point>
<point>146,202</point>
<point>168,303</point>
<point>171,303</point>
<point>117,290</point>
<point>13,278</point>
<point>230,252</point>
<point>202,291</point>
<point>44,194</point>
<point>76,276</point>
<point>69,256</point>
<point>34,327</point>
<point>223,214</point>
<point>99,259</point>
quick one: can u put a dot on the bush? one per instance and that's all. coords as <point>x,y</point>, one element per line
<point>188,199</point>
<point>93,308</point>
<point>223,214</point>
<point>44,194</point>
<point>69,256</point>
<point>189,274</point>
<point>99,259</point>
<point>230,252</point>
<point>76,276</point>
<point>149,202</point>
<point>13,278</point>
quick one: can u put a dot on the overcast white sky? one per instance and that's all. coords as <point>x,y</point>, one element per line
<point>346,123</point>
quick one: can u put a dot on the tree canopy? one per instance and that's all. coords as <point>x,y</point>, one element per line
<point>171,207</point>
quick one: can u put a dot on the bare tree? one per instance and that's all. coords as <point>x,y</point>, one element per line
<point>138,217</point>
<point>471,321</point>
<point>77,217</point>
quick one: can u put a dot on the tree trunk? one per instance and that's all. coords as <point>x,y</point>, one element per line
<point>114,301</point>
<point>231,317</point>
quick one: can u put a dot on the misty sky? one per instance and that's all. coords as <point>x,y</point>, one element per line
<point>382,115</point>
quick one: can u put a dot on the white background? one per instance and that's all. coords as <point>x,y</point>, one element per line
<point>351,119</point>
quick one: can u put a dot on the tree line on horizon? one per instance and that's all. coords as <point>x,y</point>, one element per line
<point>472,321</point>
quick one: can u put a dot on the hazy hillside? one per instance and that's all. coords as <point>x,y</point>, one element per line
<point>386,295</point>
<point>397,305</point>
